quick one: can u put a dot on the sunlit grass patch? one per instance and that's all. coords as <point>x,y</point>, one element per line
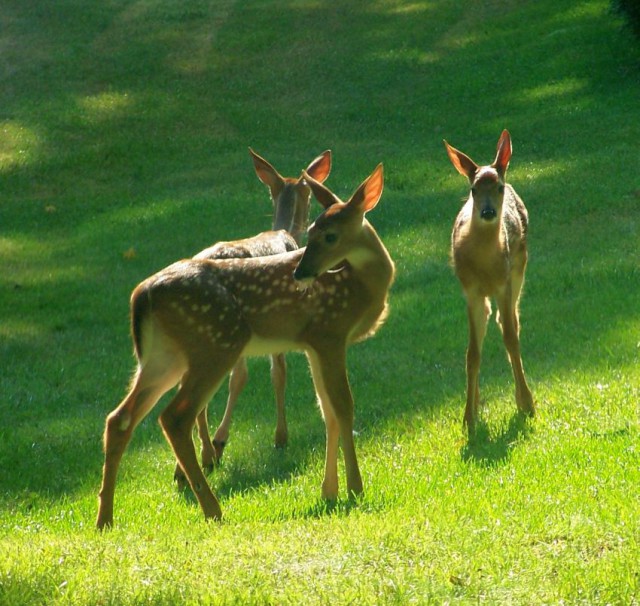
<point>19,144</point>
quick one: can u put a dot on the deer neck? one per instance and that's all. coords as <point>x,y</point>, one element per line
<point>371,262</point>
<point>489,235</point>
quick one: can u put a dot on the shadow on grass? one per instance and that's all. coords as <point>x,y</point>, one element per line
<point>336,507</point>
<point>131,150</point>
<point>489,450</point>
<point>320,508</point>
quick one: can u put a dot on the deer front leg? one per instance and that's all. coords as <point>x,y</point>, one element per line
<point>208,456</point>
<point>478,310</point>
<point>331,365</point>
<point>279,380</point>
<point>509,325</point>
<point>330,480</point>
<point>237,381</point>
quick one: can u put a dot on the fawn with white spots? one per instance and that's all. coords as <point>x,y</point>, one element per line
<point>489,253</point>
<point>193,320</point>
<point>291,201</point>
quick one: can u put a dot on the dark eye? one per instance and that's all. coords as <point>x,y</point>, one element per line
<point>331,238</point>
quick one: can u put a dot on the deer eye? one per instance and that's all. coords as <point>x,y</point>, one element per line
<point>331,238</point>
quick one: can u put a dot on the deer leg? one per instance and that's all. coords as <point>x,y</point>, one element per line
<point>237,381</point>
<point>279,379</point>
<point>510,325</point>
<point>478,310</point>
<point>208,455</point>
<point>177,422</point>
<point>330,480</point>
<point>517,280</point>
<point>207,452</point>
<point>149,385</point>
<point>332,368</point>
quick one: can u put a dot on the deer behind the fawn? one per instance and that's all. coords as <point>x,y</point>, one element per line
<point>193,320</point>
<point>489,253</point>
<point>291,201</point>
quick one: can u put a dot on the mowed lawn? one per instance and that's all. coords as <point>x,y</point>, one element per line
<point>124,130</point>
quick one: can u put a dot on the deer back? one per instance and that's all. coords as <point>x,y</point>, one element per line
<point>253,304</point>
<point>264,244</point>
<point>335,290</point>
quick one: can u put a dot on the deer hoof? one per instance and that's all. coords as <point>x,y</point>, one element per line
<point>218,447</point>
<point>281,439</point>
<point>180,479</point>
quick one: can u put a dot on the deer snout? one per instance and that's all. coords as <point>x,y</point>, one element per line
<point>488,213</point>
<point>303,275</point>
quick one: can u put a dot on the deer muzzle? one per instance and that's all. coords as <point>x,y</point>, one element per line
<point>488,213</point>
<point>303,275</point>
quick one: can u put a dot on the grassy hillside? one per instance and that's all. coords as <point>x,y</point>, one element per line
<point>124,128</point>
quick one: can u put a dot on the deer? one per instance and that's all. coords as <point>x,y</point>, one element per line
<point>489,256</point>
<point>291,202</point>
<point>193,320</point>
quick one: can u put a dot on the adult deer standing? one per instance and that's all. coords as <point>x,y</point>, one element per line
<point>489,252</point>
<point>193,320</point>
<point>290,197</point>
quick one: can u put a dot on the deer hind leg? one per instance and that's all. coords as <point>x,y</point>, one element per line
<point>212,450</point>
<point>177,421</point>
<point>510,333</point>
<point>207,451</point>
<point>151,382</point>
<point>478,310</point>
<point>330,378</point>
<point>279,380</point>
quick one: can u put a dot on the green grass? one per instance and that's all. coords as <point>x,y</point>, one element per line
<point>124,129</point>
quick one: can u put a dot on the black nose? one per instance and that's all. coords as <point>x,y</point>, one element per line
<point>488,213</point>
<point>301,274</point>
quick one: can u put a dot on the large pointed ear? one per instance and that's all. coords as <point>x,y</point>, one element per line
<point>266,173</point>
<point>503,155</point>
<point>322,194</point>
<point>368,194</point>
<point>320,168</point>
<point>463,164</point>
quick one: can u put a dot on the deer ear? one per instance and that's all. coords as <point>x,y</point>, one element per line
<point>266,173</point>
<point>503,155</point>
<point>462,163</point>
<point>322,194</point>
<point>320,168</point>
<point>367,196</point>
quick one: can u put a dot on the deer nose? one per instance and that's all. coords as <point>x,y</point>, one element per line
<point>488,213</point>
<point>301,275</point>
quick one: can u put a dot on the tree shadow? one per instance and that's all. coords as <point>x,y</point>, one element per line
<point>489,450</point>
